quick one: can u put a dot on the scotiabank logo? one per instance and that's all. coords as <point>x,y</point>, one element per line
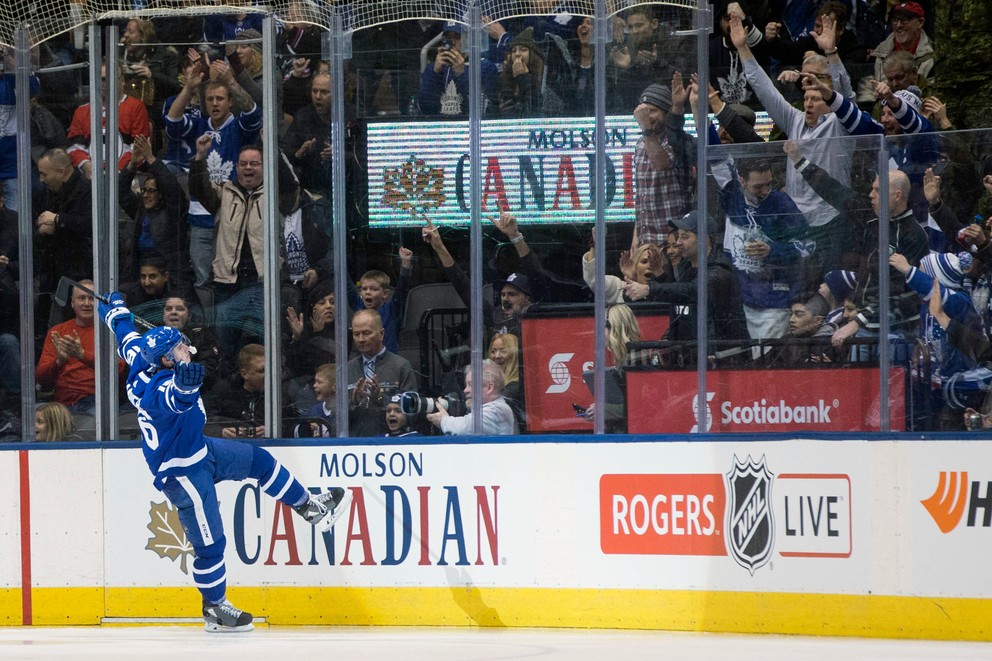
<point>764,413</point>
<point>953,495</point>
<point>772,413</point>
<point>561,377</point>
<point>662,514</point>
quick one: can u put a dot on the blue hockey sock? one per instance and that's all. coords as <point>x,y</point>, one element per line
<point>276,480</point>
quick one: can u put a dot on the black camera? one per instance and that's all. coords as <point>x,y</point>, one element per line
<point>445,44</point>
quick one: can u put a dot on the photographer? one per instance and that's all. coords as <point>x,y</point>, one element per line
<point>444,82</point>
<point>497,417</point>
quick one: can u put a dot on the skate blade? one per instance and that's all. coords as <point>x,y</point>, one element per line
<point>213,627</point>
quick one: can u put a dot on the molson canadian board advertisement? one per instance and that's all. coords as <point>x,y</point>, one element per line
<point>698,533</point>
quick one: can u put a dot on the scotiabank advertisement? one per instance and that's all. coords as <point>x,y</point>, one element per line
<point>557,350</point>
<point>763,401</point>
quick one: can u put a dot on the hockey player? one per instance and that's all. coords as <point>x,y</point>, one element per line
<point>163,384</point>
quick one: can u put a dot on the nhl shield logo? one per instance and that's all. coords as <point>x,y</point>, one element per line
<point>750,529</point>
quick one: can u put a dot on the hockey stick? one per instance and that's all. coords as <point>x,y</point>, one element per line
<point>64,292</point>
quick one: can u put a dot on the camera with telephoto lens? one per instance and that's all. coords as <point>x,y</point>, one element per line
<point>413,403</point>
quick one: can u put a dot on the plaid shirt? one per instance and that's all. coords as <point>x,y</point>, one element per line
<point>660,196</point>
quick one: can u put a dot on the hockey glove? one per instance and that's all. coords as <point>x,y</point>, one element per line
<point>114,310</point>
<point>189,377</point>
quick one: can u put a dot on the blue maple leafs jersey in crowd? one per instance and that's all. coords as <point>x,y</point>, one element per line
<point>171,420</point>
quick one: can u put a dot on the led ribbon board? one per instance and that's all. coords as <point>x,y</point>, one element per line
<point>540,169</point>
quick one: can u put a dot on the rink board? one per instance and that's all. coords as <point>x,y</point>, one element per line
<point>835,537</point>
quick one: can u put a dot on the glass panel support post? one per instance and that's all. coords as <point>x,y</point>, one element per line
<point>477,34</point>
<point>601,34</point>
<point>337,43</point>
<point>272,234</point>
<point>22,66</point>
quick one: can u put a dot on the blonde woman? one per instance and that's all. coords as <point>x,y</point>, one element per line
<point>642,265</point>
<point>504,350</point>
<point>621,328</point>
<point>52,422</point>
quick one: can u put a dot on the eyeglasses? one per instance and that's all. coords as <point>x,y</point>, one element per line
<point>148,191</point>
<point>903,19</point>
<point>254,164</point>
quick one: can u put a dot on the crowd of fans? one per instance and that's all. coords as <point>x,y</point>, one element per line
<point>790,240</point>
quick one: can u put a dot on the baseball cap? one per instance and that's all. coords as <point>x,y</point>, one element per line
<point>452,26</point>
<point>690,222</point>
<point>518,280</point>
<point>908,8</point>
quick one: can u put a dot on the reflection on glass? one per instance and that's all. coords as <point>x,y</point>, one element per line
<point>792,265</point>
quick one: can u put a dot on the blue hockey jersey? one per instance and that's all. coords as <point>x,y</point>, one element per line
<point>171,420</point>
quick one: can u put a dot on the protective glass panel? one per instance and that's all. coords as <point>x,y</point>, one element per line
<point>782,290</point>
<point>938,199</point>
<point>308,304</point>
<point>61,206</point>
<point>539,192</point>
<point>769,276</point>
<point>401,170</point>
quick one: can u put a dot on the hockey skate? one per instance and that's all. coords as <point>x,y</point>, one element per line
<point>324,509</point>
<point>225,618</point>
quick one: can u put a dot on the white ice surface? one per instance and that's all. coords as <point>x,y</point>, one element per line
<point>448,644</point>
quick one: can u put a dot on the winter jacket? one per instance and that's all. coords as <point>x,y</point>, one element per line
<point>239,216</point>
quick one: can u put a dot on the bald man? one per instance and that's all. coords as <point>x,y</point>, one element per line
<point>907,238</point>
<point>374,375</point>
<point>65,227</point>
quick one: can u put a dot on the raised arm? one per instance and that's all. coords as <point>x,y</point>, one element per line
<point>178,107</point>
<point>780,110</point>
<point>200,186</point>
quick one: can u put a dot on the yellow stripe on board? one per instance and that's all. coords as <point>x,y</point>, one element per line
<point>10,607</point>
<point>64,606</point>
<point>680,610</point>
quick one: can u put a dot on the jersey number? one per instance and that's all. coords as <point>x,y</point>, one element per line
<point>148,431</point>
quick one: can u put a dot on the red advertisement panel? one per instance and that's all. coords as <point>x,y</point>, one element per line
<point>556,351</point>
<point>662,514</point>
<point>763,401</point>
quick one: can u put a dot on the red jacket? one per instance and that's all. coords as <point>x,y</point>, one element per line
<point>132,120</point>
<point>76,378</point>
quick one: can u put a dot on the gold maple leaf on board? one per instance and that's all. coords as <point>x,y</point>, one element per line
<point>169,538</point>
<point>413,186</point>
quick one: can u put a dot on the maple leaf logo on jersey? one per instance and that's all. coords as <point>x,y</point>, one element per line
<point>169,539</point>
<point>218,169</point>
